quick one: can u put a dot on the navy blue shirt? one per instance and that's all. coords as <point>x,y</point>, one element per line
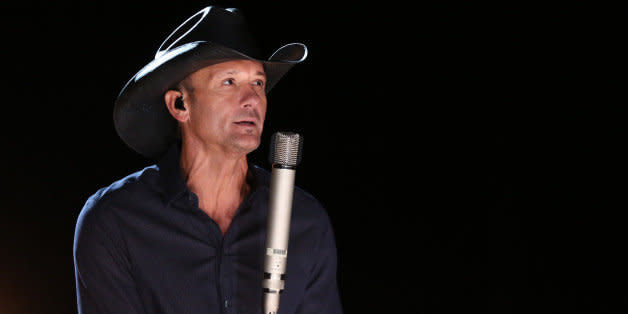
<point>142,245</point>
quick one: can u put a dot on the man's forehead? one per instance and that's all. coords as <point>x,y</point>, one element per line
<point>234,67</point>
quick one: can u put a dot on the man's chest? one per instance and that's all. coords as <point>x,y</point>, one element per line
<point>183,260</point>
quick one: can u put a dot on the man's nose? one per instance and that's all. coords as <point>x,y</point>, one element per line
<point>251,97</point>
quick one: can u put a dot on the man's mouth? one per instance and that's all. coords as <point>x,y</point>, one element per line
<point>245,123</point>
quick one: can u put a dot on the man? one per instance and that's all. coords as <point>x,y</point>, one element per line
<point>187,235</point>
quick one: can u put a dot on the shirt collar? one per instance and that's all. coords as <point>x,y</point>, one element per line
<point>171,179</point>
<point>173,185</point>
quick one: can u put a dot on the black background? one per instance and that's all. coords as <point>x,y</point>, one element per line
<point>470,156</point>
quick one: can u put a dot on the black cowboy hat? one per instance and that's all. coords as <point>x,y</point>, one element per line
<point>211,36</point>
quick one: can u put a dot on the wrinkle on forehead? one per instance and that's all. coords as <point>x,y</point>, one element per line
<point>232,72</point>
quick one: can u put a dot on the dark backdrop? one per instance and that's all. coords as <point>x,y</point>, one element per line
<point>470,156</point>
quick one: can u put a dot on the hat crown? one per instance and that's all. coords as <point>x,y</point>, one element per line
<point>226,27</point>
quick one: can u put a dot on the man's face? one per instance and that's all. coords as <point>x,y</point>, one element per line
<point>227,105</point>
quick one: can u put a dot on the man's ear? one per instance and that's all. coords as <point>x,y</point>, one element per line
<point>176,106</point>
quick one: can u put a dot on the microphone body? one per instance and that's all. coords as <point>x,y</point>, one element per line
<point>285,155</point>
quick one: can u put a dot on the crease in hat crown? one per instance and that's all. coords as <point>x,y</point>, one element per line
<point>204,12</point>
<point>211,35</point>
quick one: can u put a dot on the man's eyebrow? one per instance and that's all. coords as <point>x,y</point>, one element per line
<point>232,72</point>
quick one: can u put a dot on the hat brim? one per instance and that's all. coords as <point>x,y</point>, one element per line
<point>140,116</point>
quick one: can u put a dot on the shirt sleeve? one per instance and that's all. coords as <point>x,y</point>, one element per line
<point>321,292</point>
<point>102,271</point>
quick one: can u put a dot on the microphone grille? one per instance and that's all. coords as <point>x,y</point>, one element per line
<point>286,149</point>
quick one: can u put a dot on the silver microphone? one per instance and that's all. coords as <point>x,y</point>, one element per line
<point>285,155</point>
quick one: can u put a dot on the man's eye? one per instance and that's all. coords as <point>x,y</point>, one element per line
<point>228,82</point>
<point>259,83</point>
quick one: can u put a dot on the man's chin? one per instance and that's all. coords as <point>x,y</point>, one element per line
<point>246,143</point>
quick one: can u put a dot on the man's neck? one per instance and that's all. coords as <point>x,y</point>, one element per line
<point>217,178</point>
